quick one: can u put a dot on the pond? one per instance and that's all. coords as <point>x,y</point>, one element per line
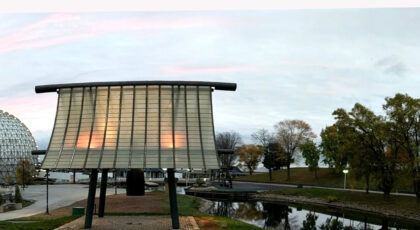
<point>285,216</point>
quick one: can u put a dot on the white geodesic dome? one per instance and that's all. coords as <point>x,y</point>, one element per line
<point>16,143</point>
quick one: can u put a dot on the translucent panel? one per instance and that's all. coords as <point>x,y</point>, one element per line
<point>194,141</point>
<point>133,127</point>
<point>152,126</point>
<point>124,135</point>
<point>182,159</point>
<point>111,131</point>
<point>166,137</point>
<point>83,134</point>
<point>98,130</point>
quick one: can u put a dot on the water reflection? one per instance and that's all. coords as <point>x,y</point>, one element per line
<point>282,216</point>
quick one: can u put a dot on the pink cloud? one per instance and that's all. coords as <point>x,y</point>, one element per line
<point>63,28</point>
<point>34,112</point>
<point>179,70</point>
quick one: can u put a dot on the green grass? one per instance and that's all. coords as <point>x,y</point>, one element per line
<point>377,200</point>
<point>325,178</point>
<point>26,203</point>
<point>36,224</point>
<point>187,205</point>
<point>232,224</point>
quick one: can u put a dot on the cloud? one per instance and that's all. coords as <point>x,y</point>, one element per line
<point>391,65</point>
<point>60,28</point>
<point>179,70</point>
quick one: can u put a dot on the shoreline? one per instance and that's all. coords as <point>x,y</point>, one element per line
<point>364,208</point>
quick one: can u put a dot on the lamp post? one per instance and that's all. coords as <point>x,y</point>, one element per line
<point>345,171</point>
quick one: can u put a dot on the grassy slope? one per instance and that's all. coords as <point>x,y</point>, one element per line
<point>325,178</point>
<point>394,202</point>
<point>188,206</point>
<point>37,224</point>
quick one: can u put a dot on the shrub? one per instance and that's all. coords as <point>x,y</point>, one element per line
<point>9,180</point>
<point>331,199</point>
<point>18,195</point>
<point>200,182</point>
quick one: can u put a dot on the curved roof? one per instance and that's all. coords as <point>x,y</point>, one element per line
<point>55,87</point>
<point>147,124</point>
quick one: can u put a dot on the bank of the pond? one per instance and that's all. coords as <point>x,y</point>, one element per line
<point>325,178</point>
<point>401,207</point>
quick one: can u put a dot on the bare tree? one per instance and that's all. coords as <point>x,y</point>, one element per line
<point>290,134</point>
<point>228,140</point>
<point>263,137</point>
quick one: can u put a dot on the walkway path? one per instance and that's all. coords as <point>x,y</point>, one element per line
<point>133,223</point>
<point>240,185</point>
<point>59,195</point>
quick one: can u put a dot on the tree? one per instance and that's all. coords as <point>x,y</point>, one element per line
<point>332,148</point>
<point>228,140</point>
<point>290,134</point>
<point>25,171</point>
<point>311,154</point>
<point>403,113</point>
<point>250,155</point>
<point>366,139</point>
<point>18,195</point>
<point>264,138</point>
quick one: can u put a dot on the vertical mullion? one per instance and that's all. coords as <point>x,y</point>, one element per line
<point>92,125</point>
<point>65,129</point>
<point>78,128</point>
<point>159,125</point>
<point>145,126</point>
<point>132,127</point>
<point>119,126</point>
<point>106,127</point>
<point>173,126</point>
<point>199,126</point>
<point>186,126</point>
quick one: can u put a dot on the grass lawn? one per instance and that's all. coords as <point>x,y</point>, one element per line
<point>222,223</point>
<point>325,178</point>
<point>40,224</point>
<point>394,202</point>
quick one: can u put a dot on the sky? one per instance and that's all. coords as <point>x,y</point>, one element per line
<point>287,63</point>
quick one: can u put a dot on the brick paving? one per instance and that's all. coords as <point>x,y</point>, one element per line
<point>159,222</point>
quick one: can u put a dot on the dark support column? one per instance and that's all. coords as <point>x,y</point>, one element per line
<point>102,194</point>
<point>74,176</point>
<point>91,198</point>
<point>47,174</point>
<point>172,198</point>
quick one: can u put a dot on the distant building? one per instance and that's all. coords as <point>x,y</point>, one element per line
<point>16,143</point>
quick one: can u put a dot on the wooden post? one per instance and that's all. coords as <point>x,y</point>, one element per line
<point>102,194</point>
<point>172,198</point>
<point>91,198</point>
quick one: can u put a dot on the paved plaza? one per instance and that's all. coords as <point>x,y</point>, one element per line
<point>160,222</point>
<point>60,195</point>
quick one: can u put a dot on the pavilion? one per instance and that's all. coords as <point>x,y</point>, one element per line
<point>133,124</point>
